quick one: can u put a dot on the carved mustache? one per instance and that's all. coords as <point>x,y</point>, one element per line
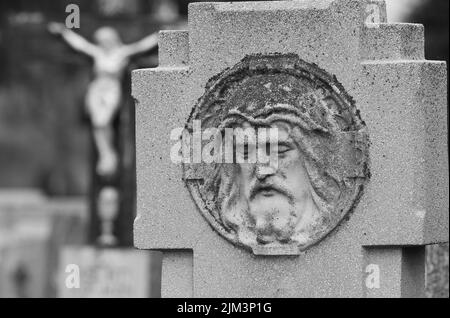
<point>265,186</point>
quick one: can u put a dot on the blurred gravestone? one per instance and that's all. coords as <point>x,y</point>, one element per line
<point>22,260</point>
<point>32,231</point>
<point>108,273</point>
<point>367,117</point>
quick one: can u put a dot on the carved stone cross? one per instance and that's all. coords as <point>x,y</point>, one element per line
<point>360,184</point>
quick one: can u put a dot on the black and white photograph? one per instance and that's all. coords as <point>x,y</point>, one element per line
<point>224,155</point>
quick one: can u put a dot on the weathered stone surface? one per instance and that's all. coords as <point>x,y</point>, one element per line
<point>401,98</point>
<point>265,91</point>
<point>173,48</point>
<point>395,41</point>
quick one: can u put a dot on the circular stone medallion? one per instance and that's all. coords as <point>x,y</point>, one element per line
<point>318,158</point>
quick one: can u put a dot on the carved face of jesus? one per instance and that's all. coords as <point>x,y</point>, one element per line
<point>287,205</point>
<point>277,198</point>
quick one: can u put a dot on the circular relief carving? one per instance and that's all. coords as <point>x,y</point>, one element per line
<point>320,165</point>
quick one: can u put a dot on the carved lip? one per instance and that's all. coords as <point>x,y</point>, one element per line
<point>267,190</point>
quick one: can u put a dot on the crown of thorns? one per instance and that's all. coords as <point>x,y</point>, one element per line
<point>263,89</point>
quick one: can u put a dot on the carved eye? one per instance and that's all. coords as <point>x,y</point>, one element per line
<point>283,148</point>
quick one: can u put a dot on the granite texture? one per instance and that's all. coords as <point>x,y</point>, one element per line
<point>402,99</point>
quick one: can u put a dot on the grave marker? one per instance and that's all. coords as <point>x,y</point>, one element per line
<point>362,110</point>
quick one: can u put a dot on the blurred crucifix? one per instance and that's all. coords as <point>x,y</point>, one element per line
<point>111,58</point>
<point>111,200</point>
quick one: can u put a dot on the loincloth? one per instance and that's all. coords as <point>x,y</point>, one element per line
<point>103,100</point>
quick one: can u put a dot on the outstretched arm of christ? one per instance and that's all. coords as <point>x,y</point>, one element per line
<point>142,46</point>
<point>76,41</point>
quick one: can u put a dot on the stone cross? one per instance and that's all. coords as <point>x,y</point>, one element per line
<point>363,121</point>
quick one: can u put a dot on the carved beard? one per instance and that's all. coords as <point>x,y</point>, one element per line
<point>276,222</point>
<point>253,222</point>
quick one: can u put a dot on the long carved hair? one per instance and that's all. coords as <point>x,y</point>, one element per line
<point>325,125</point>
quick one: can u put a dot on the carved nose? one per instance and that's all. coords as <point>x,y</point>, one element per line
<point>264,171</point>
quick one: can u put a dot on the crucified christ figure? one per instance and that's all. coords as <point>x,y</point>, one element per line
<point>111,57</point>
